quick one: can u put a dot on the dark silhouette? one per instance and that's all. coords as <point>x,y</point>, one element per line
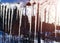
<point>25,25</point>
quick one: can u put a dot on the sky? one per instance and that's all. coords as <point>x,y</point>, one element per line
<point>11,1</point>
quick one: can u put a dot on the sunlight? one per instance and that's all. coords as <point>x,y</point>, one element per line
<point>54,10</point>
<point>52,14</point>
<point>50,10</point>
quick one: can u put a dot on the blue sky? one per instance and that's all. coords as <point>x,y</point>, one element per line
<point>11,1</point>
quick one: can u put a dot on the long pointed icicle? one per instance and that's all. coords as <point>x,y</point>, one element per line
<point>35,25</point>
<point>1,10</point>
<point>20,18</point>
<point>55,19</point>
<point>6,17</point>
<point>9,19</point>
<point>3,15</point>
<point>19,27</point>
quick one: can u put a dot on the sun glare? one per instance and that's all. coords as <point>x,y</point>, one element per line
<point>54,10</point>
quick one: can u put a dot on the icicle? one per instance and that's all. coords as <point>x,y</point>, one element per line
<point>58,20</point>
<point>30,22</point>
<point>35,25</point>
<point>11,21</point>
<point>1,10</point>
<point>8,19</point>
<point>55,19</point>
<point>20,18</point>
<point>3,15</point>
<point>3,23</point>
<point>17,13</point>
